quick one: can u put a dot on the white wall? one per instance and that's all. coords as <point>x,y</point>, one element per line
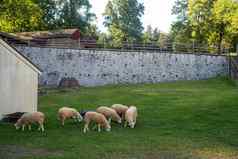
<point>102,67</point>
<point>18,84</point>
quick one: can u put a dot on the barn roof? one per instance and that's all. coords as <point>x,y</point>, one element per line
<point>20,56</point>
<point>60,33</point>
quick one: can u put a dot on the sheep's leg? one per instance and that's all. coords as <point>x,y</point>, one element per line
<point>132,124</point>
<point>123,117</point>
<point>99,128</point>
<point>62,122</point>
<point>85,128</point>
<point>42,127</point>
<point>109,120</point>
<point>23,127</point>
<point>29,127</point>
<point>125,124</point>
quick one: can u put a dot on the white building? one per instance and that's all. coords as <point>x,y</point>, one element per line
<point>18,81</point>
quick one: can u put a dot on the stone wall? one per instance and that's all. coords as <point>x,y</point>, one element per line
<point>100,67</point>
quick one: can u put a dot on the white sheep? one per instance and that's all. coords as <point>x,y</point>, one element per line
<point>29,118</point>
<point>130,116</point>
<point>97,118</point>
<point>120,109</point>
<point>66,113</point>
<point>109,113</point>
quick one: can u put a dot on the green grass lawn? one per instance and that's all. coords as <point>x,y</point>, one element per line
<point>180,120</point>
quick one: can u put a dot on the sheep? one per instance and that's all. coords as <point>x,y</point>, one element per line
<point>66,112</point>
<point>29,118</point>
<point>120,109</point>
<point>109,113</point>
<point>98,118</point>
<point>130,116</point>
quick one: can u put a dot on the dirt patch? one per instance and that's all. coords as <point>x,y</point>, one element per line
<point>153,155</point>
<point>68,83</point>
<point>19,152</point>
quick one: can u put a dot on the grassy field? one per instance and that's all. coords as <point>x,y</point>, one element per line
<point>181,120</point>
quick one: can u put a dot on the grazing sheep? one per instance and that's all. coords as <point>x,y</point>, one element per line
<point>97,118</point>
<point>29,118</point>
<point>109,113</point>
<point>130,116</point>
<point>120,109</point>
<point>66,112</point>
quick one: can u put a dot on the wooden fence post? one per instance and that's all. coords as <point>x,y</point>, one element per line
<point>193,46</point>
<point>229,66</point>
<point>237,48</point>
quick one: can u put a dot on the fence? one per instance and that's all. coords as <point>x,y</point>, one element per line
<point>136,46</point>
<point>233,67</point>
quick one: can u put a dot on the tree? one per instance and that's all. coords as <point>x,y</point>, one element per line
<point>212,22</point>
<point>225,24</point>
<point>19,15</point>
<point>156,34</point>
<point>91,32</point>
<point>75,14</point>
<point>151,36</point>
<point>148,35</point>
<point>50,14</point>
<point>164,41</point>
<point>122,18</point>
<point>200,16</point>
<point>181,31</point>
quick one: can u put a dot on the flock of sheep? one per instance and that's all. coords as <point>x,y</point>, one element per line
<point>102,117</point>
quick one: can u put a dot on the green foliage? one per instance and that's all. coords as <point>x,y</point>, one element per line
<point>224,18</point>
<point>50,13</point>
<point>75,14</point>
<point>19,15</point>
<point>31,15</point>
<point>151,35</point>
<point>122,18</point>
<point>200,16</point>
<point>91,32</point>
<point>181,31</point>
<point>180,120</point>
<point>212,22</point>
<point>164,41</point>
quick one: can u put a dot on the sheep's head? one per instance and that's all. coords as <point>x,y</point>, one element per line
<point>17,124</point>
<point>108,128</point>
<point>79,117</point>
<point>132,124</point>
<point>119,121</point>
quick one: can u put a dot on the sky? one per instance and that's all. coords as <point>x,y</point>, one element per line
<point>157,13</point>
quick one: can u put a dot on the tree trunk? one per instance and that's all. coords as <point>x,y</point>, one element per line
<point>220,43</point>
<point>221,35</point>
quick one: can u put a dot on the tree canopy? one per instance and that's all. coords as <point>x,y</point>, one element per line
<point>20,15</point>
<point>75,13</point>
<point>30,15</point>
<point>123,20</point>
<point>206,21</point>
